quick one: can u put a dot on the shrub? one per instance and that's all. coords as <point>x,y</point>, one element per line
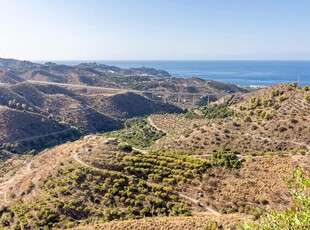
<point>307,98</point>
<point>294,84</point>
<point>218,111</point>
<point>295,217</point>
<point>266,102</point>
<point>211,225</point>
<point>236,124</point>
<point>124,147</point>
<point>258,111</point>
<point>276,106</point>
<point>226,159</point>
<point>282,98</point>
<point>11,103</point>
<point>293,121</point>
<point>268,116</point>
<point>282,129</point>
<point>135,152</point>
<point>247,118</point>
<point>274,93</point>
<point>255,102</point>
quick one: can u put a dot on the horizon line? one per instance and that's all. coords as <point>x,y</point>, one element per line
<point>148,60</point>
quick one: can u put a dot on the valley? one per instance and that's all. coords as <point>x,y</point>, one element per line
<point>115,154</point>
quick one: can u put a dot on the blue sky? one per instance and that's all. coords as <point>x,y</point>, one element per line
<point>155,29</point>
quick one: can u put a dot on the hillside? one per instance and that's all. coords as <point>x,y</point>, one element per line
<point>7,77</point>
<point>177,174</point>
<point>128,105</point>
<point>269,120</point>
<point>143,163</point>
<point>97,180</point>
<point>28,131</point>
<point>29,110</point>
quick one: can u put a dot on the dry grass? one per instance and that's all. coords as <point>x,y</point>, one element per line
<point>224,190</point>
<point>177,223</point>
<point>287,130</point>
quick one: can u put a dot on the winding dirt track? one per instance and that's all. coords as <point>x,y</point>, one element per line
<point>150,121</point>
<point>4,186</point>
<point>200,204</point>
<point>192,200</point>
<point>26,169</point>
<point>36,137</point>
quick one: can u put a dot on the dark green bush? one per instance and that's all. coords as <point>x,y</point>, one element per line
<point>124,147</point>
<point>218,111</point>
<point>226,159</point>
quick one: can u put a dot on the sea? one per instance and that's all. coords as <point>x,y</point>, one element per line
<point>243,73</point>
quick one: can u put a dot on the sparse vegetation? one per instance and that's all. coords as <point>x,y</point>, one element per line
<point>294,217</point>
<point>195,168</point>
<point>135,186</point>
<point>262,111</point>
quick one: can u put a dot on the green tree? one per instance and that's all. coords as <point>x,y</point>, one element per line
<point>124,147</point>
<point>247,118</point>
<point>11,103</point>
<point>294,84</point>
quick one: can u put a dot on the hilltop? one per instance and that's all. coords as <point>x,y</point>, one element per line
<point>17,65</point>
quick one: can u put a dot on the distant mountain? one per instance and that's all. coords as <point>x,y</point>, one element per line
<point>95,74</point>
<point>22,67</point>
<point>17,65</point>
